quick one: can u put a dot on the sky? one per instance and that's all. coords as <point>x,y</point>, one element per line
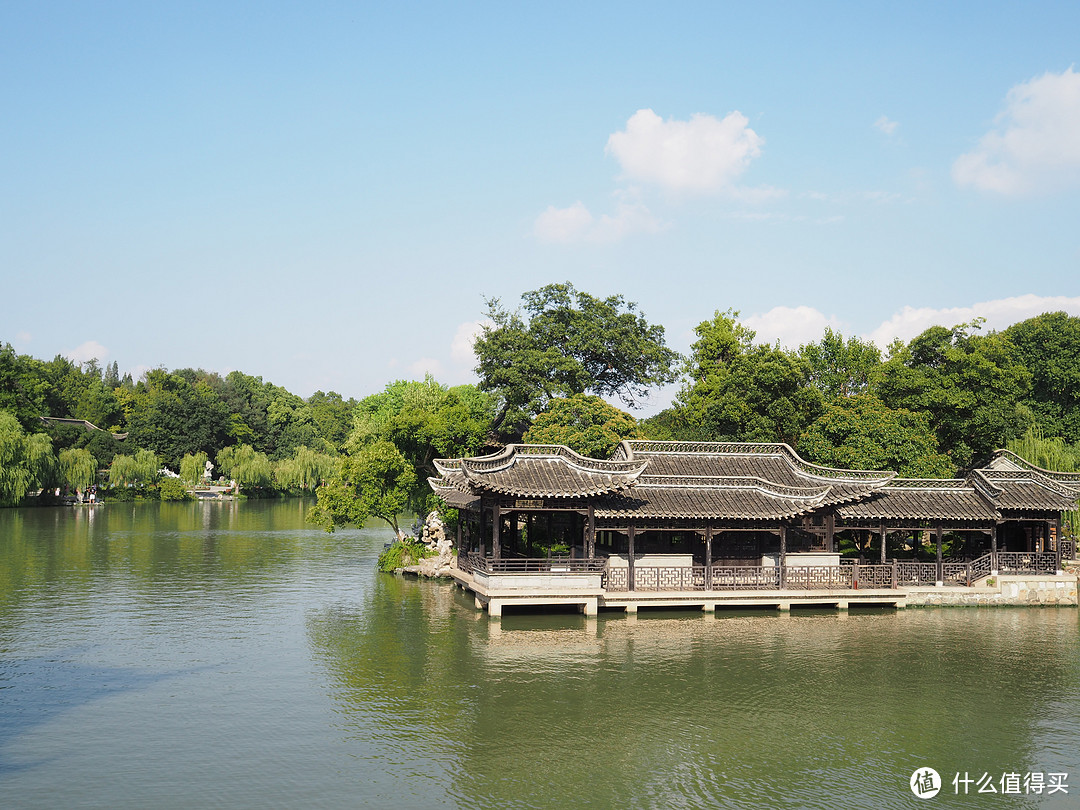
<point>327,194</point>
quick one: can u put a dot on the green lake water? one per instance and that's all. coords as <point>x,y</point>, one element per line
<point>230,655</point>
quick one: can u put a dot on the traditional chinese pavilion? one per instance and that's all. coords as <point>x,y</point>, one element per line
<point>702,516</point>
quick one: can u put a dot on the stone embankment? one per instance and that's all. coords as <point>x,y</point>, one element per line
<point>1009,589</point>
<point>434,537</point>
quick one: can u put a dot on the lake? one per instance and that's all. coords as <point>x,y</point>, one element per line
<point>227,654</point>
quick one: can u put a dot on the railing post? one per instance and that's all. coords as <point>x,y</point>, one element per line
<point>894,583</point>
<point>855,576</point>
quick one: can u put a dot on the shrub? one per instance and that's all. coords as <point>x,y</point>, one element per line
<point>403,553</point>
<point>172,489</point>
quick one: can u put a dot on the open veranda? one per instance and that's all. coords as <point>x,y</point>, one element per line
<point>701,524</point>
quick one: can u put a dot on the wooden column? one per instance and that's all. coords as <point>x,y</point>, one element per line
<point>630,558</point>
<point>993,549</point>
<point>708,558</point>
<point>547,530</point>
<point>496,527</point>
<point>590,534</point>
<point>1057,543</point>
<point>940,569</point>
<point>883,543</point>
<point>830,532</point>
<point>783,553</point>
<point>480,529</point>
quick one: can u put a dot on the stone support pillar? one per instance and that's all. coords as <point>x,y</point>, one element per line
<point>881,536</point>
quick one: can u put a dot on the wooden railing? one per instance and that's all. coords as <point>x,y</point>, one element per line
<point>851,574</point>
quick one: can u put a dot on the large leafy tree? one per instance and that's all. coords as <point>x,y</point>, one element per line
<point>424,421</point>
<point>375,481</point>
<point>1048,345</point>
<point>584,423</point>
<point>568,342</point>
<point>739,391</point>
<point>840,368</point>
<point>173,416</point>
<point>971,386</point>
<point>862,433</point>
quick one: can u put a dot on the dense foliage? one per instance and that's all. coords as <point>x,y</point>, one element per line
<point>934,406</point>
<point>569,342</point>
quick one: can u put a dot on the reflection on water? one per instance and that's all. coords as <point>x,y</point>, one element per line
<point>228,654</point>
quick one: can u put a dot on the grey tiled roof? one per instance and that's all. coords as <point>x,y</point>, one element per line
<point>539,471</point>
<point>922,499</point>
<point>727,498</point>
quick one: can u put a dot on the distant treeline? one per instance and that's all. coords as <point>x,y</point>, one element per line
<point>933,406</point>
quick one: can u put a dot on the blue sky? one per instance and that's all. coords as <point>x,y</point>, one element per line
<point>323,194</point>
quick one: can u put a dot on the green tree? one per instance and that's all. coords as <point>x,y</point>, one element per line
<point>1048,346</point>
<point>569,343</point>
<point>376,481</point>
<point>245,465</point>
<point>971,386</point>
<point>192,468</point>
<point>305,470</point>
<point>78,468</point>
<point>861,433</point>
<point>26,461</point>
<point>425,421</point>
<point>840,368</point>
<point>738,391</point>
<point>173,416</point>
<point>585,423</point>
<point>123,471</point>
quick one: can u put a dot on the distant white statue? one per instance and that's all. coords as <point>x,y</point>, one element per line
<point>208,473</point>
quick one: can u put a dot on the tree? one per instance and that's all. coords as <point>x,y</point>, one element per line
<point>1048,346</point>
<point>172,416</point>
<point>424,421</point>
<point>738,391</point>
<point>840,368</point>
<point>376,481</point>
<point>306,470</point>
<point>78,468</point>
<point>861,433</point>
<point>584,423</point>
<point>26,461</point>
<point>971,386</point>
<point>192,468</point>
<point>248,467</point>
<point>570,343</point>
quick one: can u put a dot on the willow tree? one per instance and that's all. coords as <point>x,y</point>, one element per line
<point>248,467</point>
<point>1050,454</point>
<point>306,469</point>
<point>26,461</point>
<point>78,468</point>
<point>193,467</point>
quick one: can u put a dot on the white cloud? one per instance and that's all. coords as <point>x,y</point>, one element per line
<point>22,337</point>
<point>87,351</point>
<point>461,347</point>
<point>792,326</point>
<point>577,224</point>
<point>1035,145</point>
<point>139,372</point>
<point>563,224</point>
<point>885,125</point>
<point>703,154</point>
<point>425,365</point>
<point>999,314</point>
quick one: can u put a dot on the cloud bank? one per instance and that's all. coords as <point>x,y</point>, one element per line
<point>704,154</point>
<point>795,326</point>
<point>1035,145</point>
